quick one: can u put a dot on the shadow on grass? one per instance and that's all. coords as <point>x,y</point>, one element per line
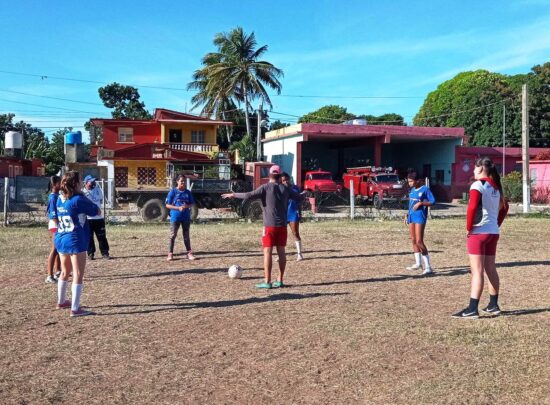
<point>519,312</point>
<point>236,253</point>
<point>514,264</point>
<point>400,277</point>
<point>148,308</point>
<point>168,273</point>
<point>369,255</point>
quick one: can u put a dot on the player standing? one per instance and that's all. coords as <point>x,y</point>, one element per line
<point>179,201</point>
<point>420,198</point>
<point>53,257</point>
<point>274,197</point>
<point>487,209</point>
<point>71,240</point>
<point>293,216</point>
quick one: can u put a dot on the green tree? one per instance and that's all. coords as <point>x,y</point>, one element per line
<point>56,151</point>
<point>329,114</point>
<point>277,125</point>
<point>384,119</point>
<point>235,72</point>
<point>124,100</point>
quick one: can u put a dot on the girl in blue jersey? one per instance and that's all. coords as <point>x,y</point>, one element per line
<point>420,198</point>
<point>51,212</point>
<point>179,201</point>
<point>71,240</point>
<point>293,216</point>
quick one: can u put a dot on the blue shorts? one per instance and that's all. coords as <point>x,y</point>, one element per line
<point>293,217</point>
<point>417,218</point>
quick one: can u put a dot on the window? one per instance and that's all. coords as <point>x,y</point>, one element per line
<point>126,135</point>
<point>121,177</point>
<point>175,136</point>
<point>147,176</point>
<point>197,136</point>
<point>439,176</point>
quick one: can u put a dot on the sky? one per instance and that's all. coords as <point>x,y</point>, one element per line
<point>372,57</point>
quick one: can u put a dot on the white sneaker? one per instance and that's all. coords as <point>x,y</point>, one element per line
<point>57,274</point>
<point>50,280</point>
<point>299,257</point>
<point>414,267</point>
<point>427,271</point>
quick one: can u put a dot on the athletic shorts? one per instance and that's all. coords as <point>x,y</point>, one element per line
<point>483,244</point>
<point>274,236</point>
<point>293,217</point>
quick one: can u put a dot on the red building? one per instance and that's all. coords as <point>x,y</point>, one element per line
<point>12,167</point>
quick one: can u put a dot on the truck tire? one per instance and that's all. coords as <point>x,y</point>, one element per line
<point>254,210</point>
<point>377,201</point>
<point>154,211</point>
<point>194,212</point>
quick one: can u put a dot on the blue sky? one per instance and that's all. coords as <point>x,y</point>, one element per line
<point>335,49</point>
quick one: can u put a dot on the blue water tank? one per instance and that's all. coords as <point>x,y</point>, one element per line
<point>72,138</point>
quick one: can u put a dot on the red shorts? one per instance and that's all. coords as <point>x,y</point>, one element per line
<point>484,244</point>
<point>274,236</point>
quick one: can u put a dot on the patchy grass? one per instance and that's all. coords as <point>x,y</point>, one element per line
<point>354,325</point>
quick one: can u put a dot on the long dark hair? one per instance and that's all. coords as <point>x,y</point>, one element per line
<point>53,181</point>
<point>69,184</point>
<point>492,171</point>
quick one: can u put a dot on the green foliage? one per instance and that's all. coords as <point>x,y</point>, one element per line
<point>246,147</point>
<point>512,187</point>
<point>384,119</point>
<point>475,100</point>
<point>124,100</point>
<point>329,114</point>
<point>277,125</point>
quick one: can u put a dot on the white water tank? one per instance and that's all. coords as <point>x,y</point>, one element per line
<point>14,144</point>
<point>359,121</point>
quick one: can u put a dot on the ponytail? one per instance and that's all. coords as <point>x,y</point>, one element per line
<point>492,172</point>
<point>53,181</point>
<point>69,184</point>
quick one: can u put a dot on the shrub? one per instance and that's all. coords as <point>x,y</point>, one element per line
<point>511,186</point>
<point>541,195</point>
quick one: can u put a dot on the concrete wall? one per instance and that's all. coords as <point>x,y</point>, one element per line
<point>283,152</point>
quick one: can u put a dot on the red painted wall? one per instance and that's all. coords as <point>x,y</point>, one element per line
<point>143,133</point>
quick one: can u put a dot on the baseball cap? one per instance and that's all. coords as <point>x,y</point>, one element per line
<point>275,169</point>
<point>89,178</point>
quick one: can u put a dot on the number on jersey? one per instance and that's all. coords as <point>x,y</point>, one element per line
<point>65,224</point>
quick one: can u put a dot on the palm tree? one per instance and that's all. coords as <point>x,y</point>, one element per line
<point>234,74</point>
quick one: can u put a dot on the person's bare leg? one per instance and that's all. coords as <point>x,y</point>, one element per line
<point>78,262</point>
<point>52,258</point>
<point>282,262</point>
<point>492,274</point>
<point>476,266</point>
<point>419,237</point>
<point>412,234</point>
<point>268,263</point>
<point>63,282</point>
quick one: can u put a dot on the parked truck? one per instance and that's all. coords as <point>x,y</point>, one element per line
<point>206,188</point>
<point>378,185</point>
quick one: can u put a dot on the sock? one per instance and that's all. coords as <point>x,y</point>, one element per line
<point>426,259</point>
<point>299,247</point>
<point>493,300</point>
<point>417,260</point>
<point>61,291</point>
<point>77,292</point>
<point>473,305</point>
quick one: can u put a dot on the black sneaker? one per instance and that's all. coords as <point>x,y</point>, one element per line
<point>107,257</point>
<point>493,310</point>
<point>91,257</point>
<point>466,314</point>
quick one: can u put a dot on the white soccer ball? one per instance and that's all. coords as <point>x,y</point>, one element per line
<point>235,271</point>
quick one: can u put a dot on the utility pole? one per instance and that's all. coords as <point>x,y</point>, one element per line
<point>259,135</point>
<point>525,149</point>
<point>503,139</point>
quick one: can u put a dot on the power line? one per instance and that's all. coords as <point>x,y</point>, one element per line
<point>49,97</point>
<point>45,77</point>
<point>46,106</point>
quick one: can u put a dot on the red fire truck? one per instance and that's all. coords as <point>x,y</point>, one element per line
<point>377,185</point>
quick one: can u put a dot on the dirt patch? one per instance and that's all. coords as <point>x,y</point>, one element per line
<point>353,327</point>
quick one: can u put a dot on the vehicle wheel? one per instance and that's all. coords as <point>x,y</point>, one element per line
<point>254,210</point>
<point>154,211</point>
<point>194,212</point>
<point>377,201</point>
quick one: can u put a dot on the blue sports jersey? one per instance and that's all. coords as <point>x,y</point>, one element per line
<point>293,214</point>
<point>73,232</point>
<point>178,198</point>
<point>420,216</point>
<point>51,210</point>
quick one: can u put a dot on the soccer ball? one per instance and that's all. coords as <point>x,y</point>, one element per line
<point>235,271</point>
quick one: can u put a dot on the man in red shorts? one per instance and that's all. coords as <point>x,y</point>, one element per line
<point>274,196</point>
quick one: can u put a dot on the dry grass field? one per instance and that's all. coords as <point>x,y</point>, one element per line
<point>353,326</point>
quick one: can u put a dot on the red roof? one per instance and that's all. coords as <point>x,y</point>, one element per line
<point>145,152</point>
<point>161,115</point>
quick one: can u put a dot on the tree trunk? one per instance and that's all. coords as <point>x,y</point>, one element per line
<point>228,130</point>
<point>247,118</point>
